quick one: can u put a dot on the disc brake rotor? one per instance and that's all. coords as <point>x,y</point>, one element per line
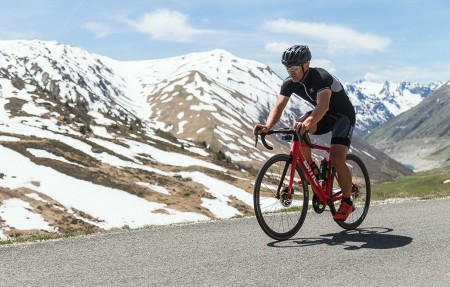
<point>284,200</point>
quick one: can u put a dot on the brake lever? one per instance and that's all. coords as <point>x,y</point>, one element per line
<point>256,136</point>
<point>305,139</point>
<point>263,140</point>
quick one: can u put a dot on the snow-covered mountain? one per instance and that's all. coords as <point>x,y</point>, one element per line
<point>212,97</point>
<point>376,103</point>
<point>419,137</point>
<point>90,142</point>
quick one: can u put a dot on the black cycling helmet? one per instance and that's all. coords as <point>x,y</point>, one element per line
<point>296,55</point>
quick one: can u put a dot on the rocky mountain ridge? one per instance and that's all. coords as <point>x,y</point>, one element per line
<point>377,103</point>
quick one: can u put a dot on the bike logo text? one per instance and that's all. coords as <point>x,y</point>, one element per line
<point>310,172</point>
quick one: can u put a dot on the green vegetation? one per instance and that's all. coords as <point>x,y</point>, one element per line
<point>425,185</point>
<point>48,236</point>
<point>85,129</point>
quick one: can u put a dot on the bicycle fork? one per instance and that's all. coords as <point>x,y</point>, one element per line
<point>285,195</point>
<point>288,194</point>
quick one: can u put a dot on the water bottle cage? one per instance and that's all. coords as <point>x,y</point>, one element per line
<point>323,170</point>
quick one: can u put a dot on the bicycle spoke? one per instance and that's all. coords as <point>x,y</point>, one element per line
<point>279,216</point>
<point>360,192</point>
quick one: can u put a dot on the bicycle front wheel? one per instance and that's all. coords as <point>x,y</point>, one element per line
<point>360,192</point>
<point>280,217</point>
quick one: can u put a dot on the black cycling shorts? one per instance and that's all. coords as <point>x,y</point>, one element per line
<point>340,126</point>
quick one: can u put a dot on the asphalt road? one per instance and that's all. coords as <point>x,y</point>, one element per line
<point>402,244</point>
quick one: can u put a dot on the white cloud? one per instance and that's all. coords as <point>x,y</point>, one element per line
<point>323,63</point>
<point>420,74</point>
<point>372,77</point>
<point>339,38</point>
<point>169,25</point>
<point>277,47</point>
<point>99,29</point>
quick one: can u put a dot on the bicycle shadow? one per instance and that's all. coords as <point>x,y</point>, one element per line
<point>364,238</point>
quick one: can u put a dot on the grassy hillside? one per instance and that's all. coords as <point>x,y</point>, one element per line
<point>424,185</point>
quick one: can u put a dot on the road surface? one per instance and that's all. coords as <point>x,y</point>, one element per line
<point>401,244</point>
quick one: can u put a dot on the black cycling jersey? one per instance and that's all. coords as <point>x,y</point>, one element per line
<point>317,80</point>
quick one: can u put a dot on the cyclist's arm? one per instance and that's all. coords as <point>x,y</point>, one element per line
<point>323,103</point>
<point>274,115</point>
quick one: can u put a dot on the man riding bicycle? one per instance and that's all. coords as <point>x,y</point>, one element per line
<point>332,111</point>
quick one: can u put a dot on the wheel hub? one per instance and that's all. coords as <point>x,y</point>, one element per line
<point>285,199</point>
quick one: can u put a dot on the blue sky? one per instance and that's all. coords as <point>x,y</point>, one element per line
<point>375,39</point>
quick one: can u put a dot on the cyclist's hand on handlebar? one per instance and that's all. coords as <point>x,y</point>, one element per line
<point>259,128</point>
<point>302,127</point>
<point>298,127</point>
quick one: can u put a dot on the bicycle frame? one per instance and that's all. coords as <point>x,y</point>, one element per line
<point>280,211</point>
<point>324,192</point>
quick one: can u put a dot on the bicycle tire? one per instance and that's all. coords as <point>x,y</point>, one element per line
<point>279,221</point>
<point>361,200</point>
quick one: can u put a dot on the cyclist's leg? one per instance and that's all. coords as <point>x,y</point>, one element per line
<point>340,142</point>
<point>338,154</point>
<point>342,130</point>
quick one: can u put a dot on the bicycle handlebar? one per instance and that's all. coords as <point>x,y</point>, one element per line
<point>285,131</point>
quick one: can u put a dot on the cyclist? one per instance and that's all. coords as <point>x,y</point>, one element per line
<point>332,111</point>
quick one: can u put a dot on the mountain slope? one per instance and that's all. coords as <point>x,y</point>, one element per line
<point>212,97</point>
<point>216,98</point>
<point>90,142</point>
<point>420,136</point>
<point>77,152</point>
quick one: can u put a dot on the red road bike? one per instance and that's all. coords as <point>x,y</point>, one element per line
<point>281,195</point>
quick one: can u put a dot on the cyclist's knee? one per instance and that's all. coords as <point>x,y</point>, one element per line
<point>338,153</point>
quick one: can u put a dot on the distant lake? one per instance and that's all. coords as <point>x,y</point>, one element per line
<point>410,166</point>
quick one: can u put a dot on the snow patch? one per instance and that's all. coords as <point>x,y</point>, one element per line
<point>156,188</point>
<point>18,214</point>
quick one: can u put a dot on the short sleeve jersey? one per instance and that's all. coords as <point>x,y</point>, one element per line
<point>317,80</point>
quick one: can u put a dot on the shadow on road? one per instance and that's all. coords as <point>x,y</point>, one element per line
<point>369,238</point>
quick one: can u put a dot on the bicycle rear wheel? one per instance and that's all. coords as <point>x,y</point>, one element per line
<point>360,192</point>
<point>280,217</point>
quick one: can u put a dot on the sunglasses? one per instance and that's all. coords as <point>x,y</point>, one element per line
<point>292,68</point>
